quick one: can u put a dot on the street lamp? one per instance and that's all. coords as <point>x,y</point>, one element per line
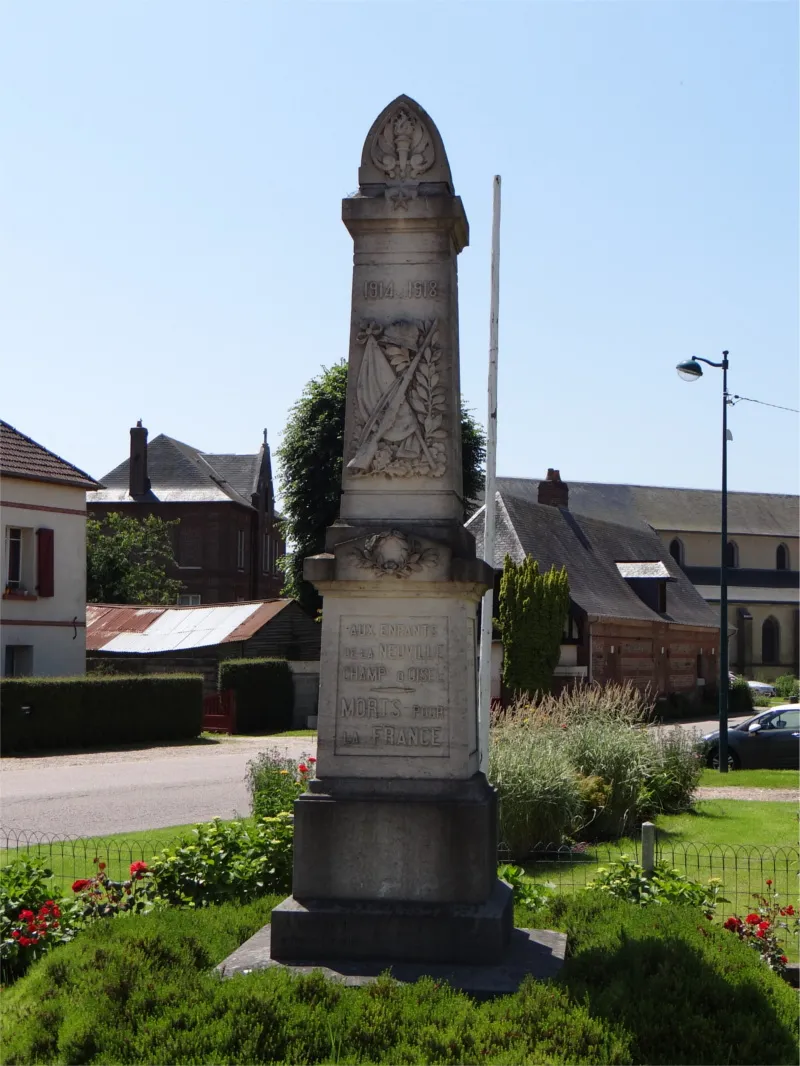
<point>691,371</point>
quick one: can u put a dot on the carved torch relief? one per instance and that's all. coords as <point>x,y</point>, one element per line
<point>400,402</point>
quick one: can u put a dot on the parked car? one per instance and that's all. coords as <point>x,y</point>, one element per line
<point>769,740</point>
<point>757,688</point>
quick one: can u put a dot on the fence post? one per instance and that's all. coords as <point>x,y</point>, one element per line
<point>648,848</point>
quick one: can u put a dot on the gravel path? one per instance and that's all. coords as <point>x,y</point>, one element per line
<point>776,795</point>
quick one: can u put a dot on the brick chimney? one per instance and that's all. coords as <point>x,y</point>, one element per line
<point>553,491</point>
<point>138,481</point>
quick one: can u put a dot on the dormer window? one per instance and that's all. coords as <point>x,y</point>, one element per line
<point>649,582</point>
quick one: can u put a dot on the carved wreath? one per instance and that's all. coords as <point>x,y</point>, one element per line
<point>402,147</point>
<point>393,554</point>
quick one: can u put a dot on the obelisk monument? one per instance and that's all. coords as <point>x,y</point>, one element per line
<point>395,841</point>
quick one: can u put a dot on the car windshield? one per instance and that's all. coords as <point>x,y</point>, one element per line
<point>788,714</point>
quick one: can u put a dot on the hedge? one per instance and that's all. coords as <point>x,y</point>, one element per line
<point>264,693</point>
<point>72,712</point>
<point>657,985</point>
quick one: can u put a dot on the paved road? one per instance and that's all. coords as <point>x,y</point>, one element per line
<point>90,794</point>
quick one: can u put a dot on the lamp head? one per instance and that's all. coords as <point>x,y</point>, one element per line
<point>690,370</point>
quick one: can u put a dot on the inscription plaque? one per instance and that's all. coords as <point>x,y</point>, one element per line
<point>392,694</point>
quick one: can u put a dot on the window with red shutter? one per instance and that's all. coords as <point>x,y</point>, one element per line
<point>45,543</point>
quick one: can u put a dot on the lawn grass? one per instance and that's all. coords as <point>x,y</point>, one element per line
<point>743,842</point>
<point>750,779</point>
<point>296,733</point>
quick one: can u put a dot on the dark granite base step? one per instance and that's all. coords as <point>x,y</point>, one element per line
<point>536,953</point>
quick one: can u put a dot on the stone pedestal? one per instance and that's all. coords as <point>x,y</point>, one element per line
<point>396,840</point>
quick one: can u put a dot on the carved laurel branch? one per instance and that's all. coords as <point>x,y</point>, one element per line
<point>427,396</point>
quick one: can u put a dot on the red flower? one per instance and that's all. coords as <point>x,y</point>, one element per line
<point>80,884</point>
<point>788,910</point>
<point>761,933</point>
<point>303,768</point>
<point>769,880</point>
<point>138,870</point>
<point>753,919</point>
<point>763,926</point>
<point>784,960</point>
<point>732,923</point>
<point>25,916</point>
<point>101,866</point>
<point>311,759</point>
<point>16,934</point>
<point>25,941</point>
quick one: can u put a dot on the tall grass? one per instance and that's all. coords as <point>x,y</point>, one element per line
<point>584,763</point>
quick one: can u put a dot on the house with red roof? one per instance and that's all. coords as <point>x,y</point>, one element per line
<point>43,562</point>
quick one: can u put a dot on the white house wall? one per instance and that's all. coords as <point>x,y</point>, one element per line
<point>55,627</point>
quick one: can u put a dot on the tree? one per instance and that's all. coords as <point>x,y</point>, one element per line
<point>310,466</point>
<point>127,560</point>
<point>533,609</point>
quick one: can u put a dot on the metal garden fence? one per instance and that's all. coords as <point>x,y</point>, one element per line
<point>743,869</point>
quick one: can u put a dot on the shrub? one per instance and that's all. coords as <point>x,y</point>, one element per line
<point>640,985</point>
<point>94,710</point>
<point>275,782</point>
<point>264,693</point>
<point>674,774</point>
<point>30,919</point>
<point>626,880</point>
<point>787,685</point>
<point>760,928</point>
<point>538,791</point>
<point>740,698</point>
<point>225,861</point>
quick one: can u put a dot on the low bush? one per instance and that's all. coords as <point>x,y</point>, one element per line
<point>626,880</point>
<point>740,698</point>
<point>539,792</point>
<point>622,772</point>
<point>640,985</point>
<point>72,712</point>
<point>225,861</point>
<point>787,686</point>
<point>275,782</point>
<point>264,693</point>
<point>31,921</point>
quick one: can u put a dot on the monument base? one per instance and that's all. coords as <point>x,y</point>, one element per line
<point>537,953</point>
<point>402,932</point>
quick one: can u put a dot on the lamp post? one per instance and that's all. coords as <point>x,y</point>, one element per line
<point>691,371</point>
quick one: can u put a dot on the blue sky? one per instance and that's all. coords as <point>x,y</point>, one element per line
<point>172,248</point>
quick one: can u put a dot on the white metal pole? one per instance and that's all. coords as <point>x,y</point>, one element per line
<point>485,673</point>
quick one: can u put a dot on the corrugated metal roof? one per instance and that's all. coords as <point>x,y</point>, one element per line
<point>643,570</point>
<point>130,629</point>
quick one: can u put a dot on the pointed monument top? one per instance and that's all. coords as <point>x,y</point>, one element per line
<point>404,147</point>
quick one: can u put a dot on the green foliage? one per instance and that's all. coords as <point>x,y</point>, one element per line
<point>787,685</point>
<point>761,702</point>
<point>539,792</point>
<point>27,926</point>
<point>627,881</point>
<point>264,693</point>
<point>530,894</point>
<point>73,712</point>
<point>532,610</point>
<point>582,764</point>
<point>225,861</point>
<point>740,698</point>
<point>310,468</point>
<point>649,984</point>
<point>473,458</point>
<point>127,560</point>
<point>275,781</point>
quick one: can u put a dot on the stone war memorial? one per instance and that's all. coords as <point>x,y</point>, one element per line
<point>395,841</point>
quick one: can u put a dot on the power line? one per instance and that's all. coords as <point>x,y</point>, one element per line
<point>765,404</point>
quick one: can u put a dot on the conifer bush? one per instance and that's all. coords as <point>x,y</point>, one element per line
<point>532,610</point>
<point>640,985</point>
